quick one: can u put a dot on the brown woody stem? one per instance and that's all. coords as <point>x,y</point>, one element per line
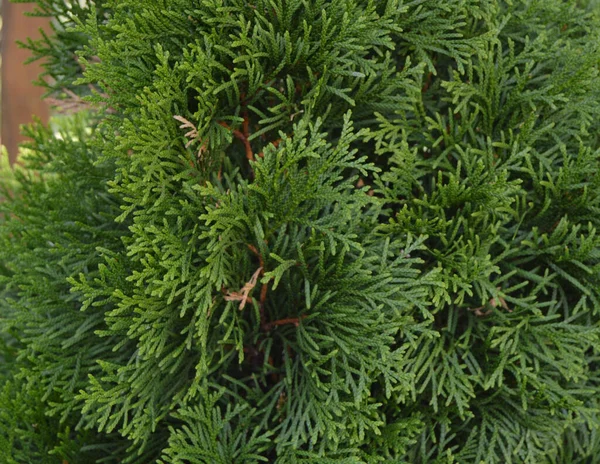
<point>290,320</point>
<point>275,144</point>
<point>243,135</point>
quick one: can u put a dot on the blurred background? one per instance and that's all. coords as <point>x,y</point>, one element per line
<point>21,100</point>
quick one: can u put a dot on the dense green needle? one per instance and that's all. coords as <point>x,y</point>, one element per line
<point>306,231</point>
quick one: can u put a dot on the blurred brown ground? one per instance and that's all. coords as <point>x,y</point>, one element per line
<point>20,98</point>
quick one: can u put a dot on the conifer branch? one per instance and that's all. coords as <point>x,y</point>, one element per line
<point>437,153</point>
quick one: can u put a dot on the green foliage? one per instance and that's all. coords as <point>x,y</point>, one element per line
<point>333,231</point>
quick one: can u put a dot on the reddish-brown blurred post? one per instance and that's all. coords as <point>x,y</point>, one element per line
<point>20,98</point>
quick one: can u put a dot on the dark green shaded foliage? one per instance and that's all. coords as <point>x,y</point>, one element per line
<point>339,231</point>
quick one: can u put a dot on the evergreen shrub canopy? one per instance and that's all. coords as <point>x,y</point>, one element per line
<point>306,231</point>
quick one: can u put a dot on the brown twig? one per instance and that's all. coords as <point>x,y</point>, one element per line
<point>479,313</point>
<point>73,103</point>
<point>275,144</point>
<point>290,320</point>
<point>243,136</point>
<point>427,83</point>
<point>261,305</point>
<point>246,125</point>
<point>254,250</point>
<point>494,303</point>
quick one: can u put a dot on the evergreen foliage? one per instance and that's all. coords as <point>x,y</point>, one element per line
<point>328,231</point>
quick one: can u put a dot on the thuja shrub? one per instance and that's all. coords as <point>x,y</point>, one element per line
<point>320,231</point>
